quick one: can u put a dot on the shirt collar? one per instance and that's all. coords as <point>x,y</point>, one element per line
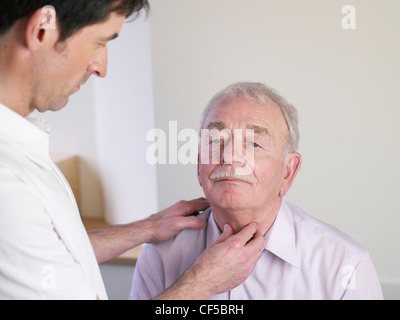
<point>213,231</point>
<point>280,240</point>
<point>28,135</point>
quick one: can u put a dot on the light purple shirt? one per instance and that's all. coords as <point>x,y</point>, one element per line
<point>303,258</point>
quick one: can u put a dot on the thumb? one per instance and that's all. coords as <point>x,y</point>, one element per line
<point>192,222</point>
<point>228,232</point>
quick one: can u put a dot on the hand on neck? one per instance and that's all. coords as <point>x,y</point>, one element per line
<point>238,219</point>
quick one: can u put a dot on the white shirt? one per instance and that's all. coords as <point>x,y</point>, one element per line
<point>303,258</point>
<point>45,252</point>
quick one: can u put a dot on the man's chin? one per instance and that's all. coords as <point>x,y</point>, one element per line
<point>229,202</point>
<point>59,106</point>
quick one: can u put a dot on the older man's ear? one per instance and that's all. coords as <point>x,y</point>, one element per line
<point>292,166</point>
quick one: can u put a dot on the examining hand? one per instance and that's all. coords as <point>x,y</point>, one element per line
<point>223,266</point>
<point>229,261</point>
<point>169,222</point>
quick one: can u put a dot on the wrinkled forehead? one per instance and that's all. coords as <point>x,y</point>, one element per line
<point>240,113</point>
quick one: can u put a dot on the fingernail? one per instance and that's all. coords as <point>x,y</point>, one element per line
<point>225,227</point>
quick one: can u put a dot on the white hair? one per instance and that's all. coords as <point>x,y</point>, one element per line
<point>259,92</point>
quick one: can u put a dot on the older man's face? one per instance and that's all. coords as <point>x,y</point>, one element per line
<point>251,178</point>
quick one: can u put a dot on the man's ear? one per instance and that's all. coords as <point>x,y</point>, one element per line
<point>292,166</point>
<point>40,27</point>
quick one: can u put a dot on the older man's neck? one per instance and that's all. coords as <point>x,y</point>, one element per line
<point>238,219</point>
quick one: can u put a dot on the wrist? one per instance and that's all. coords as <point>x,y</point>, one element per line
<point>199,288</point>
<point>147,230</point>
<point>135,233</point>
<point>187,287</point>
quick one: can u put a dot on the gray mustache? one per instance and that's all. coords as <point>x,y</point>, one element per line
<point>220,175</point>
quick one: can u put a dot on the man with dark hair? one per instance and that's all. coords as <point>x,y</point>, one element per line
<point>71,15</point>
<point>45,252</point>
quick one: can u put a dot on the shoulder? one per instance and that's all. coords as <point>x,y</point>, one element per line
<point>13,188</point>
<point>20,202</point>
<point>332,261</point>
<point>180,249</point>
<point>9,154</point>
<point>13,183</point>
<point>21,209</point>
<point>317,235</point>
<point>160,264</point>
<point>184,241</point>
<point>14,166</point>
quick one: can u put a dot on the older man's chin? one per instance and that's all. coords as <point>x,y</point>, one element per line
<point>232,205</point>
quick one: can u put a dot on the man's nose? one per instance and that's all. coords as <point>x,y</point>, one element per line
<point>233,153</point>
<point>98,66</point>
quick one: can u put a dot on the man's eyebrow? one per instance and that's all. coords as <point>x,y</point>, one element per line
<point>114,36</point>
<point>216,125</point>
<point>259,130</point>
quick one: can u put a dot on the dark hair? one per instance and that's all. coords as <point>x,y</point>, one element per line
<point>72,15</point>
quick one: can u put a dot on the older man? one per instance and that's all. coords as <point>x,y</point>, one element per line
<point>303,258</point>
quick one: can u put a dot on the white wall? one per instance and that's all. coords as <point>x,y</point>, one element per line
<point>106,125</point>
<point>344,84</point>
<point>124,114</point>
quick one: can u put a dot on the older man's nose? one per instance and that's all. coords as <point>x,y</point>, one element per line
<point>233,153</point>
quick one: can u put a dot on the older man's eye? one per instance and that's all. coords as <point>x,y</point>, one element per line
<point>255,145</point>
<point>216,141</point>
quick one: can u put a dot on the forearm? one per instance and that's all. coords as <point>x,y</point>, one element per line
<point>187,287</point>
<point>109,243</point>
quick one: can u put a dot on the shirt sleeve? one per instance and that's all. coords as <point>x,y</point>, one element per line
<point>363,282</point>
<point>34,261</point>
<point>148,280</point>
